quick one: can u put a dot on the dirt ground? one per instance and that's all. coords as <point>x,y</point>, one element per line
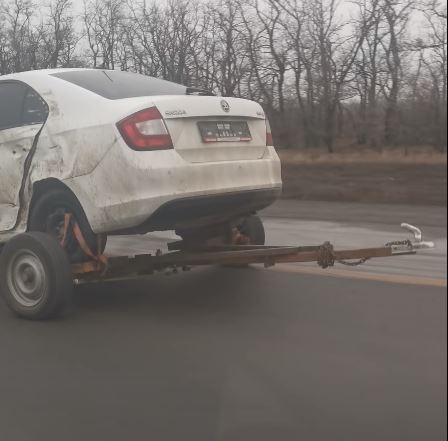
<point>390,177</point>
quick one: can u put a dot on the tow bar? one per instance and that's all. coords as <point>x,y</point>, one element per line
<point>182,257</point>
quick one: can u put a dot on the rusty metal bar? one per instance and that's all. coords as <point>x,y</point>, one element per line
<point>147,264</point>
<point>324,255</point>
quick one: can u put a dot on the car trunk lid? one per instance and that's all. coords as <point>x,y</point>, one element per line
<point>211,129</point>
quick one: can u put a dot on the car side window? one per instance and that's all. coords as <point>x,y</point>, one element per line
<point>20,106</point>
<point>34,108</point>
<point>12,97</point>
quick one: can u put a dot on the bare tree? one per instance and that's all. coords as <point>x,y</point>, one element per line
<point>303,61</point>
<point>270,17</point>
<point>308,62</point>
<point>4,42</point>
<point>337,51</point>
<point>230,55</point>
<point>367,71</point>
<point>22,45</point>
<point>103,26</point>
<point>58,35</point>
<point>397,15</point>
<point>434,58</point>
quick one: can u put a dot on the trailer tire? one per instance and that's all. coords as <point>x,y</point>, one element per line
<point>36,279</point>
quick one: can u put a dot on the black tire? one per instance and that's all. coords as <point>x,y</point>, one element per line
<point>48,211</point>
<point>253,228</point>
<point>36,279</point>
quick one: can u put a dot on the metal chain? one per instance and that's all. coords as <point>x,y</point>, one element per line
<point>327,259</point>
<point>359,262</point>
<point>355,263</point>
<point>326,254</point>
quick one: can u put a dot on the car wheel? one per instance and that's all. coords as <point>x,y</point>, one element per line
<point>249,232</point>
<point>253,228</point>
<point>36,280</point>
<point>48,214</point>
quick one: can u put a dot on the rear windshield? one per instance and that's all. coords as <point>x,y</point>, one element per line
<point>116,85</point>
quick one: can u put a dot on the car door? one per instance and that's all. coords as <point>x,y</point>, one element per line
<point>22,115</point>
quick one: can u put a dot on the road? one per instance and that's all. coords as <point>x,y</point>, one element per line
<point>239,355</point>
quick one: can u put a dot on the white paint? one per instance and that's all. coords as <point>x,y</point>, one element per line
<point>15,146</point>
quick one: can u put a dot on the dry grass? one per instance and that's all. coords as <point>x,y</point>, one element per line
<point>413,156</point>
<point>388,177</point>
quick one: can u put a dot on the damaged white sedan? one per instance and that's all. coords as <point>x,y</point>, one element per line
<point>123,153</point>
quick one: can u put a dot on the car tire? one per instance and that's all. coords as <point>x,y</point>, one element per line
<point>47,213</point>
<point>36,279</point>
<point>253,228</point>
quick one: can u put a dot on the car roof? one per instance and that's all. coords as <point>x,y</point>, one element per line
<point>43,72</point>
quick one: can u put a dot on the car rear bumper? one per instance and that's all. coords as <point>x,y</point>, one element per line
<point>157,191</point>
<point>196,212</point>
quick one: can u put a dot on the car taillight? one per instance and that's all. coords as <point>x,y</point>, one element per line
<point>145,130</point>
<point>269,138</point>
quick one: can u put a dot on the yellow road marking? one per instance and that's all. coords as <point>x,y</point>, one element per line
<point>362,275</point>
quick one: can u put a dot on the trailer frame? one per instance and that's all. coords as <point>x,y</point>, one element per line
<point>182,257</point>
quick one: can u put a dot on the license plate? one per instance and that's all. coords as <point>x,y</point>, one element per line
<point>225,131</point>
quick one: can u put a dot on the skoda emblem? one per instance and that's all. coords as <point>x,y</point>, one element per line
<point>225,106</point>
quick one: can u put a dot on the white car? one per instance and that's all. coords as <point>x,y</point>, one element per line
<point>128,154</point>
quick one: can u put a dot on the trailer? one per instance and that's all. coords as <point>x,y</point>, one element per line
<point>37,280</point>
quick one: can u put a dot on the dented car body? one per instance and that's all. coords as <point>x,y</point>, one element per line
<point>139,154</point>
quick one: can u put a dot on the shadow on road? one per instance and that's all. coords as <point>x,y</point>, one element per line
<point>219,289</point>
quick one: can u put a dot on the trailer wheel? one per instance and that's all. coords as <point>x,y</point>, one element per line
<point>36,280</point>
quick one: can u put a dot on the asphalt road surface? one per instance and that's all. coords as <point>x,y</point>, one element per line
<point>286,354</point>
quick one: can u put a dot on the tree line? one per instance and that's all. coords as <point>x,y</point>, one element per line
<point>362,72</point>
